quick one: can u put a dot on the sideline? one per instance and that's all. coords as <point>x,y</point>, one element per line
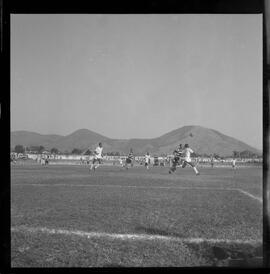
<point>250,195</point>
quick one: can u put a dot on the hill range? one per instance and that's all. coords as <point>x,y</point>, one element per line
<point>202,140</point>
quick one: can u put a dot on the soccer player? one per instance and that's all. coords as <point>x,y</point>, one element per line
<point>47,160</point>
<point>187,160</point>
<point>129,160</point>
<point>234,163</point>
<point>12,159</point>
<point>97,157</point>
<point>147,160</point>
<point>212,161</point>
<point>121,162</point>
<point>177,154</point>
<point>43,160</point>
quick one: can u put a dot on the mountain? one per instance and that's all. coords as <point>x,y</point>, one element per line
<point>27,138</point>
<point>80,139</point>
<point>201,140</point>
<point>204,141</point>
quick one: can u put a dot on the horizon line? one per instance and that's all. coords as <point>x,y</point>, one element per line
<point>141,138</point>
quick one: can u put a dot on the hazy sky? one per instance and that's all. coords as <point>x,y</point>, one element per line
<point>137,76</point>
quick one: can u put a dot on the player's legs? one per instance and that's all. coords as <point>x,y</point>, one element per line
<point>195,169</point>
<point>93,164</point>
<point>181,161</point>
<point>192,165</point>
<point>98,163</point>
<point>173,168</point>
<point>127,163</point>
<point>174,164</point>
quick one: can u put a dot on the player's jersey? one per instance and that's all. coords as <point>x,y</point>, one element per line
<point>178,153</point>
<point>187,153</point>
<point>98,152</point>
<point>147,159</point>
<point>130,156</point>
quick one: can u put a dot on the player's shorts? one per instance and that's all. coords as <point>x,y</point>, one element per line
<point>176,160</point>
<point>97,160</point>
<point>187,161</point>
<point>128,161</point>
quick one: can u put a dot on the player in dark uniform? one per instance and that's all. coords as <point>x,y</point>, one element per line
<point>47,160</point>
<point>176,159</point>
<point>12,159</point>
<point>129,159</point>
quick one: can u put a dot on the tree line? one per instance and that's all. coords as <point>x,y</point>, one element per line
<point>39,149</point>
<point>77,151</point>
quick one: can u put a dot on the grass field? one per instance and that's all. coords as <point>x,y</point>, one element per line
<point>65,216</point>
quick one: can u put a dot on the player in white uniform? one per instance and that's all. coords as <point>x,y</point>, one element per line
<point>147,160</point>
<point>121,162</point>
<point>97,157</point>
<point>212,161</point>
<point>187,160</point>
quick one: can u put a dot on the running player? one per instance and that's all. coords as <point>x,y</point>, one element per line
<point>234,163</point>
<point>147,160</point>
<point>176,160</point>
<point>212,161</point>
<point>97,157</point>
<point>129,160</point>
<point>121,162</point>
<point>47,160</point>
<point>187,160</point>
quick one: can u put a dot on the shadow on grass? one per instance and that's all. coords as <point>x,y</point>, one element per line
<point>250,262</point>
<point>156,231</point>
<point>236,255</point>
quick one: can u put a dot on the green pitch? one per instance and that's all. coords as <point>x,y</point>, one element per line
<point>64,216</point>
